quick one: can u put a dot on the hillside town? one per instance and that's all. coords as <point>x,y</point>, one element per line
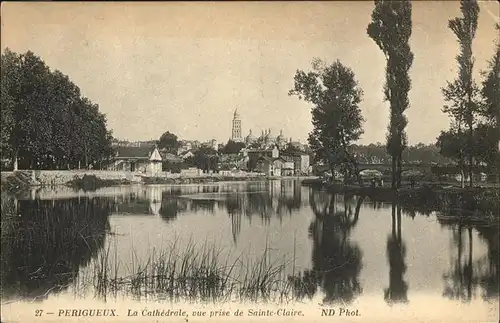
<point>265,155</point>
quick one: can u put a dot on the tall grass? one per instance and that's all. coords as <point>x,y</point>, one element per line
<point>193,275</point>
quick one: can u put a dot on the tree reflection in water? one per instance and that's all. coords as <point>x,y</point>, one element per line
<point>459,280</point>
<point>171,207</point>
<point>396,252</point>
<point>466,275</point>
<point>48,242</point>
<point>487,276</point>
<point>337,261</point>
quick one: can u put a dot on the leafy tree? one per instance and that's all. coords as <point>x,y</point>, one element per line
<point>491,109</point>
<point>45,121</point>
<point>232,147</point>
<point>336,116</point>
<point>451,143</point>
<point>462,93</point>
<point>9,78</point>
<point>391,28</point>
<point>169,141</point>
<point>33,129</point>
<point>205,158</point>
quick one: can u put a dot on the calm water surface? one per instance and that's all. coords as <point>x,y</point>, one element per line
<point>344,249</point>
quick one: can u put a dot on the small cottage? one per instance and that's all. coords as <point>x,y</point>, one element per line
<point>142,159</point>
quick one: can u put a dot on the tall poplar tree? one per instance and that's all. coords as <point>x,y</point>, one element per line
<point>391,28</point>
<point>462,93</point>
<point>491,109</point>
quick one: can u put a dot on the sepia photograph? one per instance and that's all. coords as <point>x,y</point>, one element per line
<point>250,161</point>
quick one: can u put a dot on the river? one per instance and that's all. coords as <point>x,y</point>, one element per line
<point>337,249</point>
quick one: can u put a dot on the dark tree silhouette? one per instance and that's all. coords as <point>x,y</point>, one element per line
<point>336,260</point>
<point>49,243</point>
<point>391,28</point>
<point>397,291</point>
<point>336,116</point>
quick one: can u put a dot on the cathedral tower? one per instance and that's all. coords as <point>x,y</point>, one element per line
<point>236,132</point>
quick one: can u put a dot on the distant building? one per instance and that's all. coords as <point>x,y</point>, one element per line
<point>184,146</point>
<point>266,140</point>
<point>270,166</point>
<point>187,154</point>
<point>169,157</point>
<point>126,143</point>
<point>212,144</point>
<point>192,171</point>
<point>232,161</point>
<point>252,155</point>
<point>141,159</point>
<point>288,168</point>
<point>300,160</point>
<point>236,129</point>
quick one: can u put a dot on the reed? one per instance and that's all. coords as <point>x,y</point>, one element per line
<point>192,274</point>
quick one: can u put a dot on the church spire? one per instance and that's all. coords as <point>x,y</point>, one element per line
<point>236,115</point>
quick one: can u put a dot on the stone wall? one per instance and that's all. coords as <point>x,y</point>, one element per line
<point>61,177</point>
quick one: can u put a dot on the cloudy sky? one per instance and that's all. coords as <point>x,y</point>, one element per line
<point>185,67</point>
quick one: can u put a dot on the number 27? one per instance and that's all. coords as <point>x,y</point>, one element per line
<point>38,312</point>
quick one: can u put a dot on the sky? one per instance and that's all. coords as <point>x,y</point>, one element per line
<point>185,67</point>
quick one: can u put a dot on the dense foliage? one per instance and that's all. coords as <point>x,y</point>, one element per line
<point>169,141</point>
<point>416,154</point>
<point>46,122</point>
<point>232,147</point>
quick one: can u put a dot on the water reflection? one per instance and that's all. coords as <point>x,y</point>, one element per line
<point>46,242</point>
<point>397,291</point>
<point>336,260</point>
<point>45,248</point>
<point>465,275</point>
<point>487,275</point>
<point>253,199</point>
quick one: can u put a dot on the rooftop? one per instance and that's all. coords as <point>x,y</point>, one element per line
<point>142,152</point>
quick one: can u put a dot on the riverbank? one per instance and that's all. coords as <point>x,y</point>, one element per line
<point>478,204</point>
<point>14,182</point>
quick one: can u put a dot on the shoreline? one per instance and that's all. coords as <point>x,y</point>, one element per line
<point>481,203</point>
<point>13,182</point>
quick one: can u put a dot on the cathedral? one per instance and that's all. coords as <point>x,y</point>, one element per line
<point>265,141</point>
